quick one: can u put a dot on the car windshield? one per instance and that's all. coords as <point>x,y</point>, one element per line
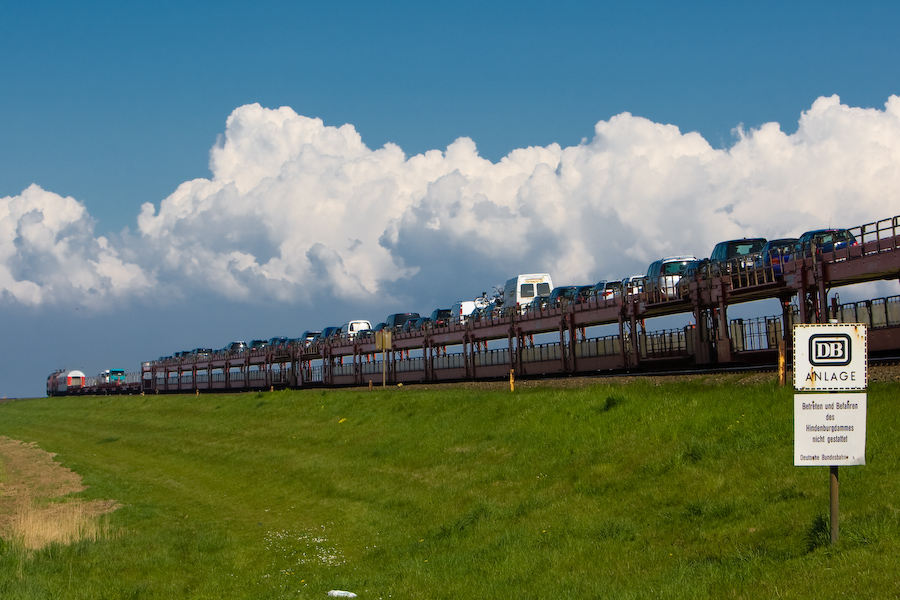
<point>832,236</point>
<point>674,268</point>
<point>745,248</point>
<point>782,247</point>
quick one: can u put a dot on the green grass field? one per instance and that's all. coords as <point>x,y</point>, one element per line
<point>616,490</point>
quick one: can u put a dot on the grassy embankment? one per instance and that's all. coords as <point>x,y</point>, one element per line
<point>680,490</point>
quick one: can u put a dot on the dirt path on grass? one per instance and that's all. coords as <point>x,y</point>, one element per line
<point>35,504</point>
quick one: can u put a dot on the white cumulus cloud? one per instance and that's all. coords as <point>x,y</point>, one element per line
<point>295,209</point>
<point>49,255</point>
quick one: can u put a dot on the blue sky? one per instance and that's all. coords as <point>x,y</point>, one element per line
<point>118,103</point>
<point>115,105</point>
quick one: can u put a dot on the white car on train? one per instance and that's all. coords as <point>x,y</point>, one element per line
<point>351,329</point>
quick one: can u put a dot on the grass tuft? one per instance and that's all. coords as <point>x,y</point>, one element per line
<point>818,533</point>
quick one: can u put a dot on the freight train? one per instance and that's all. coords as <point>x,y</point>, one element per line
<point>502,344</point>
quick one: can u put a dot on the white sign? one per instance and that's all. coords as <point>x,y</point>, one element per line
<point>830,357</point>
<point>829,429</point>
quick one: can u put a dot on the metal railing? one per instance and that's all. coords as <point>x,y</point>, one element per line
<point>759,333</point>
<point>878,313</point>
<point>665,343</point>
<point>880,236</point>
<point>609,345</point>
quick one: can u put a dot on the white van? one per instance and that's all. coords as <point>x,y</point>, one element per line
<point>460,311</point>
<point>521,290</point>
<point>351,329</point>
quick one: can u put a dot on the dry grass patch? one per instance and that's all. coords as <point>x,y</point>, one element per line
<point>35,507</point>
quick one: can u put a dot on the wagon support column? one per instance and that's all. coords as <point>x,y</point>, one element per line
<point>628,332</point>
<point>428,358</point>
<point>723,339</point>
<point>573,341</point>
<point>563,346</point>
<point>513,347</point>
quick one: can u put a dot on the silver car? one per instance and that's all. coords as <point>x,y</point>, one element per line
<point>663,275</point>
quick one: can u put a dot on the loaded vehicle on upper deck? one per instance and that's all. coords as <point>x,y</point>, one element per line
<point>235,347</point>
<point>491,310</point>
<point>733,256</point>
<point>464,310</point>
<point>817,241</point>
<point>633,285</point>
<point>256,345</point>
<point>663,275</point>
<point>561,296</point>
<point>329,332</point>
<point>420,324</point>
<point>773,254</point>
<point>278,342</point>
<point>607,290</point>
<point>820,241</point>
<point>584,293</point>
<point>308,337</point>
<point>440,317</point>
<point>395,322</point>
<point>351,329</point>
<point>461,311</point>
<point>521,290</point>
<point>695,271</point>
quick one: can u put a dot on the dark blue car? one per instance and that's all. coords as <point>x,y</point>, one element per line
<point>820,241</point>
<point>773,253</point>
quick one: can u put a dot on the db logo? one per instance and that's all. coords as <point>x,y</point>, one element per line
<point>829,350</point>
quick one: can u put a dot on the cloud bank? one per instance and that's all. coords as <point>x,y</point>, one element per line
<point>48,254</point>
<point>297,210</point>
